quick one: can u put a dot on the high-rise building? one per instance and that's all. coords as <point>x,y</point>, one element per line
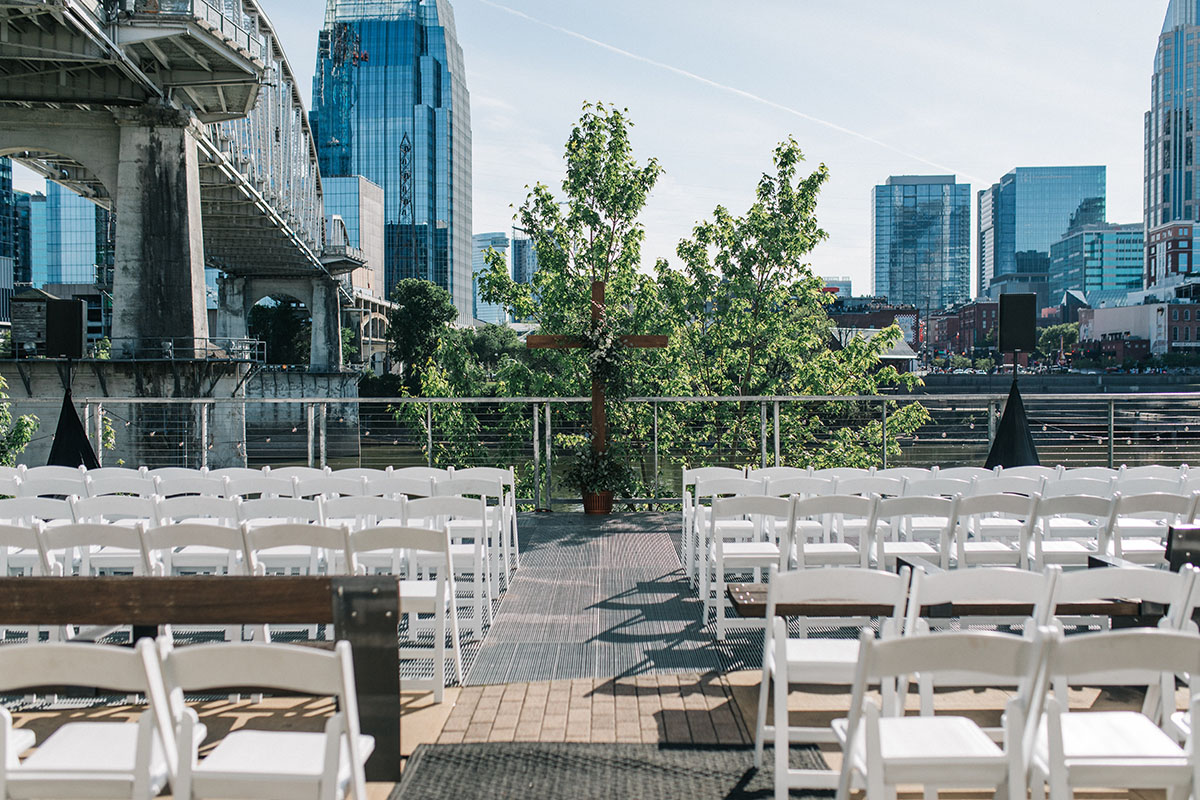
<point>480,243</point>
<point>841,285</point>
<point>1029,210</point>
<point>524,259</point>
<point>1172,165</point>
<point>8,240</point>
<point>358,204</point>
<point>921,240</point>
<point>390,103</point>
<point>21,233</point>
<point>1097,258</point>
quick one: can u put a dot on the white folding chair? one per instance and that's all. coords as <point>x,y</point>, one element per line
<point>423,473</point>
<point>256,484</point>
<point>765,547</point>
<point>467,547</point>
<point>1005,483</point>
<point>396,486</point>
<point>778,473</point>
<point>91,548</point>
<point>690,534</point>
<point>304,473</point>
<point>1129,485</point>
<point>1137,529</point>
<point>434,595</point>
<point>254,763</point>
<point>370,473</point>
<point>1154,471</point>
<point>53,472</point>
<point>82,758</point>
<point>271,510</point>
<point>904,473</point>
<point>788,660</point>
<point>964,473</point>
<point>123,509</point>
<point>196,508</point>
<point>913,526</point>
<point>801,486</point>
<point>326,486</point>
<point>1068,487</point>
<point>362,512</point>
<point>870,484</point>
<point>491,527</point>
<point>27,510</point>
<point>124,482</point>
<point>1032,471</point>
<point>1069,529</point>
<point>172,485</point>
<point>994,529</point>
<point>841,473</point>
<point>1113,749</point>
<point>935,487</point>
<point>1094,473</point>
<point>21,554</point>
<point>53,487</point>
<point>820,528</point>
<point>194,548</point>
<point>293,548</point>
<point>710,489</point>
<point>883,748</point>
<point>508,480</point>
<point>235,472</point>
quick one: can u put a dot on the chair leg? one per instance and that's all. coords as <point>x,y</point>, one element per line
<point>782,743</point>
<point>439,655</point>
<point>764,690</point>
<point>719,599</point>
<point>455,640</point>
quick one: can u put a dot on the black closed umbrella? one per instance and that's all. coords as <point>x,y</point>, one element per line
<point>71,447</point>
<point>1014,443</point>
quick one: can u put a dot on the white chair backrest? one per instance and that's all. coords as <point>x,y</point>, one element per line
<point>936,487</point>
<point>424,473</point>
<point>281,509</point>
<point>362,512</point>
<point>194,507</point>
<point>195,484</point>
<point>395,485</point>
<point>8,485</point>
<point>53,472</point>
<point>905,473</point>
<point>159,542</point>
<point>1136,583</point>
<point>393,538</point>
<point>115,472</point>
<point>804,487</point>
<point>974,510</point>
<point>1035,472</point>
<point>235,472</point>
<point>297,472</point>
<point>1066,487</point>
<point>506,476</point>
<point>132,484</point>
<point>328,486</point>
<point>1007,484</point>
<point>838,473</point>
<point>26,510</point>
<point>717,487</point>
<point>112,508</point>
<point>439,510</point>
<point>899,509</point>
<point>980,585</point>
<point>74,664</point>
<point>1095,473</point>
<point>474,487</point>
<point>10,472</point>
<point>257,485</point>
<point>1157,650</point>
<point>22,537</point>
<point>885,487</point>
<point>964,473</point>
<point>1075,506</point>
<point>1154,471</point>
<point>1133,485</point>
<point>840,506</point>
<point>777,473</point>
<point>1168,507</point>
<point>52,487</point>
<point>696,474</point>
<point>59,543</point>
<point>360,472</point>
<point>841,585</point>
<point>772,516</point>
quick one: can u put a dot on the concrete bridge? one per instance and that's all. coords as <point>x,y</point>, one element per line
<point>184,118</point>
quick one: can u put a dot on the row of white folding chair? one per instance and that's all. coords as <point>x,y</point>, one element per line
<point>829,661</point>
<point>139,759</point>
<point>1045,744</point>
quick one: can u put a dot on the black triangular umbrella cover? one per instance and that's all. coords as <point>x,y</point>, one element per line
<point>71,446</point>
<point>1014,443</point>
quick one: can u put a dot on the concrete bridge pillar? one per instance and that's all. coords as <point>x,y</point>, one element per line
<point>233,308</point>
<point>326,350</point>
<point>158,276</point>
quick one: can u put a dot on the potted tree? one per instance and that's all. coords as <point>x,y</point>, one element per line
<point>598,476</point>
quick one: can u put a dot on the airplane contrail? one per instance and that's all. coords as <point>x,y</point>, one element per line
<point>727,88</point>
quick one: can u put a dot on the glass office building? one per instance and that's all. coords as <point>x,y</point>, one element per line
<point>1095,258</point>
<point>1024,214</point>
<point>921,240</point>
<point>390,103</point>
<point>480,242</point>
<point>8,238</point>
<point>1172,165</point>
<point>358,203</point>
<point>524,259</point>
<point>70,237</point>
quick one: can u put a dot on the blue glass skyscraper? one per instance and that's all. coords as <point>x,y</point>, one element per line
<point>921,240</point>
<point>390,103</point>
<point>1030,209</point>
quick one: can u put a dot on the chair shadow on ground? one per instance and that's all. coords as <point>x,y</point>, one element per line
<point>699,710</point>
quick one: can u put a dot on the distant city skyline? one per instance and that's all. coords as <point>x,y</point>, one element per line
<point>776,68</point>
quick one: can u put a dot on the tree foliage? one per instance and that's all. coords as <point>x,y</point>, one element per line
<point>285,326</point>
<point>15,432</point>
<point>1055,338</point>
<point>422,315</point>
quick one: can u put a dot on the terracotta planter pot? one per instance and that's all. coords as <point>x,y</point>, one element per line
<point>597,502</point>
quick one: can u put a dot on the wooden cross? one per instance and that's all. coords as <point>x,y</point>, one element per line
<point>599,416</point>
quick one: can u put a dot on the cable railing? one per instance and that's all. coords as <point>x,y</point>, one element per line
<point>659,436</point>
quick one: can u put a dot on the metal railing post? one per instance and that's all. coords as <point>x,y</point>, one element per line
<point>762,434</point>
<point>991,423</point>
<point>883,432</point>
<point>324,433</point>
<point>310,428</point>
<point>537,459</point>
<point>549,462</point>
<point>429,434</point>
<point>654,491</point>
<point>778,462</point>
<point>1111,421</point>
<point>204,410</point>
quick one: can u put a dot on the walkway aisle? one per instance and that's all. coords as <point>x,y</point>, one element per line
<point>602,597</point>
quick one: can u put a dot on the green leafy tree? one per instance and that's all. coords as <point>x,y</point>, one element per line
<point>1056,338</point>
<point>15,431</point>
<point>349,346</point>
<point>422,315</point>
<point>985,364</point>
<point>960,362</point>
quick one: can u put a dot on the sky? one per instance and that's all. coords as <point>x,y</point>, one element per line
<point>870,88</point>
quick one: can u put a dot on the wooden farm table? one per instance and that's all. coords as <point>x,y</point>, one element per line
<point>363,611</point>
<point>750,600</point>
